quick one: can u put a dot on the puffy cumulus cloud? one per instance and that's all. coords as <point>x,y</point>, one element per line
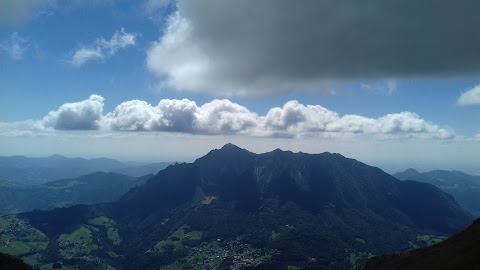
<point>101,48</point>
<point>409,123</point>
<point>469,98</point>
<point>168,115</point>
<point>83,115</point>
<point>296,119</point>
<point>14,46</point>
<point>266,47</point>
<point>224,117</point>
<point>216,117</point>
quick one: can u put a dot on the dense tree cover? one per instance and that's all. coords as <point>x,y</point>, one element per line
<point>12,263</point>
<point>463,187</point>
<point>458,252</point>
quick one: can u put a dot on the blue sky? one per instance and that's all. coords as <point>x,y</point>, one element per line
<point>266,78</point>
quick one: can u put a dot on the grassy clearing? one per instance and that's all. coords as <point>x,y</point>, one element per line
<point>360,240</point>
<point>274,235</point>
<point>114,236</point>
<point>431,239</point>
<point>5,223</point>
<point>360,257</point>
<point>266,258</point>
<point>291,267</point>
<point>208,200</point>
<point>32,259</point>
<point>173,266</point>
<point>178,239</point>
<point>101,221</point>
<point>112,254</point>
<point>109,225</point>
<point>165,221</point>
<point>80,236</point>
<point>77,243</point>
<point>18,238</point>
<point>198,260</point>
<point>50,267</point>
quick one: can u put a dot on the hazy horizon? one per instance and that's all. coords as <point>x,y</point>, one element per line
<point>391,168</point>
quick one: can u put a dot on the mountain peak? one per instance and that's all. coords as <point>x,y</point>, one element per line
<point>408,174</point>
<point>411,170</point>
<point>230,146</point>
<point>57,156</point>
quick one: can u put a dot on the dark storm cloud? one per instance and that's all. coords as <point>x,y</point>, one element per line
<point>240,47</point>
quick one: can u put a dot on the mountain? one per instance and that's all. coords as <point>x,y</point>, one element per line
<point>93,188</point>
<point>24,171</point>
<point>458,252</point>
<point>142,169</point>
<point>463,187</point>
<point>234,208</point>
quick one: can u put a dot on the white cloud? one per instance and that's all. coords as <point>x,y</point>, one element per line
<point>295,119</point>
<point>387,87</point>
<point>83,115</point>
<point>216,117</point>
<point>469,98</point>
<point>15,46</point>
<point>19,11</point>
<point>223,117</point>
<point>101,48</point>
<point>137,115</point>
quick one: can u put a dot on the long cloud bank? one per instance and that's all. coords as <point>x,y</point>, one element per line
<point>250,47</point>
<point>223,117</point>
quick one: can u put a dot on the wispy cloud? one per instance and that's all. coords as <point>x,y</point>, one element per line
<point>470,98</point>
<point>224,117</point>
<point>15,46</point>
<point>20,11</point>
<point>150,7</point>
<point>386,87</point>
<point>101,48</point>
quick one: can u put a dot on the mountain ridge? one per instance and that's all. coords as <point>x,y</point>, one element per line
<point>465,188</point>
<point>322,206</point>
<point>97,187</point>
<point>458,252</point>
<point>25,171</point>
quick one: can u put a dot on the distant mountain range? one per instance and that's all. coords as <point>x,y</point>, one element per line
<point>24,171</point>
<point>234,208</point>
<point>463,187</point>
<point>98,187</point>
<point>458,252</point>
